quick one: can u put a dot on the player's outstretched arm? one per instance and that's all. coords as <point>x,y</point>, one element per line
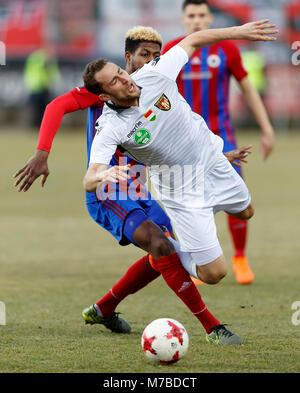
<point>253,31</point>
<point>98,174</point>
<point>259,111</point>
<point>239,154</point>
<point>37,165</point>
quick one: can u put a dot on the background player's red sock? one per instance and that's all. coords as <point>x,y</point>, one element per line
<point>137,277</point>
<point>180,282</point>
<point>238,230</point>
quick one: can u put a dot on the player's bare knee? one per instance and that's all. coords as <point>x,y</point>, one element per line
<point>213,272</point>
<point>220,274</point>
<point>214,277</point>
<point>152,239</point>
<point>248,213</point>
<point>162,246</point>
<point>245,214</point>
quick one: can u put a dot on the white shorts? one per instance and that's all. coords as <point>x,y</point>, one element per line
<point>190,260</point>
<point>195,228</point>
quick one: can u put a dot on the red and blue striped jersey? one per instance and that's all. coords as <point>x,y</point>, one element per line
<point>204,83</point>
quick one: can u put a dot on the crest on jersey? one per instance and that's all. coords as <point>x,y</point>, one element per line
<point>214,61</point>
<point>150,115</point>
<point>163,103</point>
<point>195,60</point>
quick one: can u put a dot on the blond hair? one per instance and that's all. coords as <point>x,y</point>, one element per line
<point>141,33</point>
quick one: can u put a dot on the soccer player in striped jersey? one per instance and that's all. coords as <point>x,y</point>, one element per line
<point>119,216</point>
<point>204,83</point>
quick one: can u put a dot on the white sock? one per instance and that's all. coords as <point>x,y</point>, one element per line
<point>185,258</point>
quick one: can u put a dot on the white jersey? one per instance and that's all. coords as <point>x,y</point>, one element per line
<point>162,132</point>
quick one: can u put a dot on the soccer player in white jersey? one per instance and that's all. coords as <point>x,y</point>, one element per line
<point>147,116</point>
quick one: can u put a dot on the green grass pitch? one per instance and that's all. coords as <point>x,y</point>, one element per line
<point>55,261</point>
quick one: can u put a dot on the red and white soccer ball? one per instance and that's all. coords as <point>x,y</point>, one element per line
<point>165,341</point>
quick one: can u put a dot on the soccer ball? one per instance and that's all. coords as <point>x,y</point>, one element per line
<point>165,341</point>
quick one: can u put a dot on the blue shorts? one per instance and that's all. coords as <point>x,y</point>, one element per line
<point>112,215</point>
<point>111,212</point>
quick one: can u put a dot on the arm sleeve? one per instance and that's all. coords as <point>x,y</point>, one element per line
<point>52,118</point>
<point>84,98</point>
<point>103,147</point>
<point>235,63</point>
<point>170,63</point>
<point>72,101</point>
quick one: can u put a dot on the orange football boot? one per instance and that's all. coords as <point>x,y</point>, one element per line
<point>242,271</point>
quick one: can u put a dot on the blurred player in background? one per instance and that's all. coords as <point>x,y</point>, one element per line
<point>129,221</point>
<point>204,83</point>
<point>41,73</point>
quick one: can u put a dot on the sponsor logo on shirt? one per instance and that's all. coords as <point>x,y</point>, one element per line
<point>136,126</point>
<point>155,61</point>
<point>214,61</point>
<point>98,127</point>
<point>197,75</point>
<point>195,61</point>
<point>163,103</point>
<point>150,115</point>
<point>142,137</point>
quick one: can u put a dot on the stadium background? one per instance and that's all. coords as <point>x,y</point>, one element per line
<point>81,31</point>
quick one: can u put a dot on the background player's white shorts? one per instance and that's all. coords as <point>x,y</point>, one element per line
<point>195,228</point>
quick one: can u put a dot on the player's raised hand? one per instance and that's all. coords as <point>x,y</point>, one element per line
<point>258,31</point>
<point>239,154</point>
<point>35,167</point>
